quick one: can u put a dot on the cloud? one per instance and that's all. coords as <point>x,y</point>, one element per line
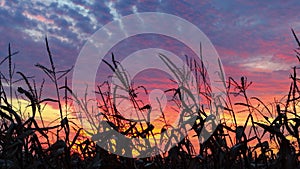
<point>2,3</point>
<point>38,18</point>
<point>265,64</point>
<point>116,15</point>
<point>36,35</point>
<point>52,18</point>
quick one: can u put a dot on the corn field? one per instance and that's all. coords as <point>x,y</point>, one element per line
<point>268,138</point>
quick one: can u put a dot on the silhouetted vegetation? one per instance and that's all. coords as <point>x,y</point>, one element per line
<point>268,138</point>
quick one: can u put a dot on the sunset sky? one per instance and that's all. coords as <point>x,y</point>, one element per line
<point>253,38</point>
